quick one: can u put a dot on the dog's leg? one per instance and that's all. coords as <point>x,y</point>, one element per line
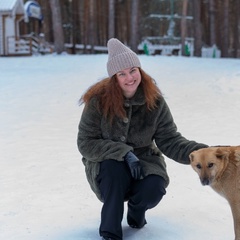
<point>235,207</point>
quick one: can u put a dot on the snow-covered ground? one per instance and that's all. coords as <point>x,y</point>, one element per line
<point>44,194</point>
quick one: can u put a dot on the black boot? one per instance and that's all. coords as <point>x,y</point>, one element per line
<point>133,223</point>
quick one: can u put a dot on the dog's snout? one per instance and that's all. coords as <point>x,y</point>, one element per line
<point>205,181</point>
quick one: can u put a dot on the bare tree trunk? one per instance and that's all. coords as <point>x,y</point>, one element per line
<point>86,24</point>
<point>47,22</point>
<point>134,25</point>
<point>197,28</point>
<point>184,27</point>
<point>74,8</point>
<point>92,29</point>
<point>81,20</point>
<point>122,24</point>
<point>111,18</point>
<point>236,32</point>
<point>212,28</point>
<point>57,26</point>
<point>102,26</point>
<point>225,28</point>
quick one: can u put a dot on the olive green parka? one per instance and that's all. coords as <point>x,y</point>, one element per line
<point>149,134</point>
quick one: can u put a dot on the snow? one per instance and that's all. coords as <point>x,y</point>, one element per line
<point>44,192</point>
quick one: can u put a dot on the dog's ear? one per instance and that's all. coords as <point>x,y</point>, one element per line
<point>237,155</point>
<point>222,153</point>
<point>191,157</point>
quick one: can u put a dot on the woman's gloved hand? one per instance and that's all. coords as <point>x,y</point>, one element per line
<point>134,165</point>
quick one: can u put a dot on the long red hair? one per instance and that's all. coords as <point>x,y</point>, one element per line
<point>111,99</point>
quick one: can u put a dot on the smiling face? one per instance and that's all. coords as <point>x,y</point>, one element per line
<point>129,80</point>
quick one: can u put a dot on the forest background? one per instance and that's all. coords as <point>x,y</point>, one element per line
<point>85,24</point>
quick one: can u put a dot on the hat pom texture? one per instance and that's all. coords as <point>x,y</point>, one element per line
<point>120,57</point>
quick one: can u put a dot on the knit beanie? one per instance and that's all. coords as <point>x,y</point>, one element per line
<point>120,57</point>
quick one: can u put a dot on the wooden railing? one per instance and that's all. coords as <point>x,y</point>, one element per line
<point>19,46</point>
<point>26,45</point>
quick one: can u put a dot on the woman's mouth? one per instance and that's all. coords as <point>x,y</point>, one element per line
<point>130,83</point>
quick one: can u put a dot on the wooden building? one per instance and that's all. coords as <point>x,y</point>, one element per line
<point>11,14</point>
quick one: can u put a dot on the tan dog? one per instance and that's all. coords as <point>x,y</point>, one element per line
<point>219,167</point>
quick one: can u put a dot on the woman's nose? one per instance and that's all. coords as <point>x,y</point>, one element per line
<point>129,76</point>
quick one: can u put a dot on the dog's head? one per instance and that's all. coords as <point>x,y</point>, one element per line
<point>209,163</point>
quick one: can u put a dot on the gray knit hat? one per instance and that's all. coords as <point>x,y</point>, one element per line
<point>120,57</point>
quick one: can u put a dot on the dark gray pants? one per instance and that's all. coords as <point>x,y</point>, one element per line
<point>116,186</point>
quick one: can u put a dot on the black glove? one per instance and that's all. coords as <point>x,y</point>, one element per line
<point>133,164</point>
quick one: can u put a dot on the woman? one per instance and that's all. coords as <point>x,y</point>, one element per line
<point>124,129</point>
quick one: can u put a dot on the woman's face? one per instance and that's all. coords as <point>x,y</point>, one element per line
<point>129,80</point>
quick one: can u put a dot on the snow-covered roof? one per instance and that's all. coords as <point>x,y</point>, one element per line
<point>7,5</point>
<point>11,5</point>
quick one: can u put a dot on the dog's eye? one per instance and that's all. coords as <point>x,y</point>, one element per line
<point>198,166</point>
<point>210,165</point>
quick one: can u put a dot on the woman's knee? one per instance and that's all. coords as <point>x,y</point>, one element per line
<point>150,191</point>
<point>112,169</point>
<point>113,175</point>
<point>155,190</point>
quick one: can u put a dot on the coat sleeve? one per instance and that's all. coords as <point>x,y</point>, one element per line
<point>90,141</point>
<point>170,142</point>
